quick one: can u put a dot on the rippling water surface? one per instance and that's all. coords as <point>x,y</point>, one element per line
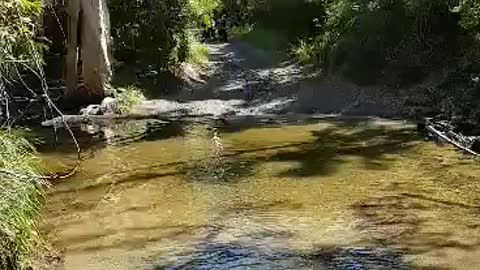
<point>284,193</point>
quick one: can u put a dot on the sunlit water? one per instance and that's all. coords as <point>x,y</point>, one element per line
<point>265,194</point>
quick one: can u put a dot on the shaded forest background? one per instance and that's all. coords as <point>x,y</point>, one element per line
<point>392,43</point>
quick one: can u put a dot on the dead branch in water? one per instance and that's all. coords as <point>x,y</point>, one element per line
<point>441,135</point>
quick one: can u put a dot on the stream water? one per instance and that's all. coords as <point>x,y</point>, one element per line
<point>260,193</point>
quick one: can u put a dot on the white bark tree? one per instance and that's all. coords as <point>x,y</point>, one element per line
<point>89,49</point>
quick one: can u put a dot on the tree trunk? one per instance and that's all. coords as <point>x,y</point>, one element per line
<point>71,76</point>
<point>89,55</point>
<point>95,37</point>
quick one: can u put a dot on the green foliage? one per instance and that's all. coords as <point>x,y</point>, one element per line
<point>203,11</point>
<point>406,39</point>
<point>128,98</point>
<point>470,12</point>
<point>292,19</point>
<point>20,200</point>
<point>152,30</point>
<point>18,23</point>
<point>240,31</point>
<point>240,11</point>
<point>303,52</point>
<point>198,54</point>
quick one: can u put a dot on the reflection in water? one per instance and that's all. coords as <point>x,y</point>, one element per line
<point>275,194</point>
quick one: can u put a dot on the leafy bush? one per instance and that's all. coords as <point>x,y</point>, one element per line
<point>20,197</point>
<point>365,39</point>
<point>470,13</point>
<point>152,30</point>
<point>20,200</point>
<point>303,52</point>
<point>18,23</point>
<point>203,11</point>
<point>128,98</point>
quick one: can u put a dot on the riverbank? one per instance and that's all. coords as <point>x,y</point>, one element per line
<point>21,198</point>
<point>242,80</point>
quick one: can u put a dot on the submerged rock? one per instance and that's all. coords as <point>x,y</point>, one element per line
<point>94,109</point>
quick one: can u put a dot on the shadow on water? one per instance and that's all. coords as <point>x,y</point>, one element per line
<point>321,156</point>
<point>327,151</point>
<point>96,137</point>
<point>148,234</point>
<point>389,218</point>
<point>394,221</point>
<point>213,256</point>
<point>92,138</point>
<point>397,220</point>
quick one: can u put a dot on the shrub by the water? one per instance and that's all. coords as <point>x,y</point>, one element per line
<point>20,200</point>
<point>128,98</point>
<point>18,23</point>
<point>20,193</point>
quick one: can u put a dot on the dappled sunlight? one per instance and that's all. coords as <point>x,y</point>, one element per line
<point>271,193</point>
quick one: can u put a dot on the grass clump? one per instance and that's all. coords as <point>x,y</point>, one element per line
<point>303,52</point>
<point>20,200</point>
<point>128,98</point>
<point>198,54</point>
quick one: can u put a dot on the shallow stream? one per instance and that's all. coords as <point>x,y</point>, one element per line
<point>264,193</point>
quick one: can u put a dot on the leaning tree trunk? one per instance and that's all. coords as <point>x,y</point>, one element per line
<point>88,56</point>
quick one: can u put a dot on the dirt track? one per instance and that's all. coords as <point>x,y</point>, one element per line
<point>242,80</point>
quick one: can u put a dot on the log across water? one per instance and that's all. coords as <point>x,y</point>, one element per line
<point>76,120</point>
<point>444,131</point>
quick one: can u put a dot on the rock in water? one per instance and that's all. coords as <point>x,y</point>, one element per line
<point>109,105</point>
<point>92,110</point>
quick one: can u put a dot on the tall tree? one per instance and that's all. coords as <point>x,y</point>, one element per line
<point>89,48</point>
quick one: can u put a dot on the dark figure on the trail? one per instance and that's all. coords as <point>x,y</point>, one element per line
<point>221,25</point>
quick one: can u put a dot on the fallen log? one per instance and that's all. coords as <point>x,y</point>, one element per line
<point>77,120</point>
<point>442,135</point>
